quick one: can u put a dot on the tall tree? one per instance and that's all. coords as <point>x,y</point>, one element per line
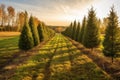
<point>78,32</point>
<point>104,24</point>
<point>11,14</point>
<point>0,14</point>
<point>21,20</point>
<point>112,36</point>
<point>70,30</point>
<point>82,30</point>
<point>26,39</point>
<point>40,32</point>
<point>74,30</point>
<point>3,14</point>
<point>34,31</point>
<point>92,35</point>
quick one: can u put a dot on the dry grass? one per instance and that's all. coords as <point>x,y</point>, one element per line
<point>103,62</point>
<point>9,34</point>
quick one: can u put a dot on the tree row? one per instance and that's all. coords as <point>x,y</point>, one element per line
<point>91,34</point>
<point>10,20</point>
<point>32,35</point>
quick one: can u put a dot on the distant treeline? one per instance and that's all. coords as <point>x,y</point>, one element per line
<point>10,20</point>
<point>33,31</point>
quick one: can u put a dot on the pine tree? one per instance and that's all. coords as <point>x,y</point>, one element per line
<point>40,32</point>
<point>34,31</point>
<point>74,30</point>
<point>26,39</point>
<point>45,34</point>
<point>70,30</point>
<point>78,32</point>
<point>91,37</point>
<point>111,42</point>
<point>82,31</point>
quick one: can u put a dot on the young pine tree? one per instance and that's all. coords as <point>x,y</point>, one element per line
<point>70,30</point>
<point>45,33</point>
<point>26,39</point>
<point>78,32</point>
<point>34,31</point>
<point>40,32</point>
<point>91,37</point>
<point>74,30</point>
<point>111,42</point>
<point>82,30</point>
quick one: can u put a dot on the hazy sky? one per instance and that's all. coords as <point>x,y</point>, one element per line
<point>62,12</point>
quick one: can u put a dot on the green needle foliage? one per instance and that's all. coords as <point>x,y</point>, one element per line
<point>69,31</point>
<point>40,32</point>
<point>26,39</point>
<point>111,42</point>
<point>91,37</point>
<point>82,30</point>
<point>78,32</point>
<point>74,30</point>
<point>34,31</point>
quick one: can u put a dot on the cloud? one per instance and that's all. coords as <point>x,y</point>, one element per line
<point>51,11</point>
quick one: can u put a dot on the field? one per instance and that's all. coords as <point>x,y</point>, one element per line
<point>8,46</point>
<point>6,35</point>
<point>58,59</point>
<point>59,40</point>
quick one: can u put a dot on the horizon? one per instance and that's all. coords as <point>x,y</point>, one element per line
<point>63,12</point>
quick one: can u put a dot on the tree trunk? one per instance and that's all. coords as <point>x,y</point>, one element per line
<point>112,59</point>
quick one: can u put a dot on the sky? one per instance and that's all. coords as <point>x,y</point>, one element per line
<point>63,12</point>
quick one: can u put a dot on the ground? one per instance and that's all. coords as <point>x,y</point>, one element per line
<point>58,59</point>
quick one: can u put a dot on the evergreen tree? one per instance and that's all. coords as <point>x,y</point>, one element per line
<point>91,37</point>
<point>40,32</point>
<point>34,31</point>
<point>78,32</point>
<point>45,33</point>
<point>111,42</point>
<point>70,30</point>
<point>74,30</point>
<point>82,31</point>
<point>26,39</point>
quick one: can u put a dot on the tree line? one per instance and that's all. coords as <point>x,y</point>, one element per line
<point>90,31</point>
<point>10,20</point>
<point>32,34</point>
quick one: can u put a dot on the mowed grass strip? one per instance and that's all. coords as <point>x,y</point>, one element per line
<point>34,68</point>
<point>68,63</point>
<point>71,64</point>
<point>8,47</point>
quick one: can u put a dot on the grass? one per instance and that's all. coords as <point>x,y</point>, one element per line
<point>6,35</point>
<point>8,45</point>
<point>7,48</point>
<point>9,34</point>
<point>59,60</point>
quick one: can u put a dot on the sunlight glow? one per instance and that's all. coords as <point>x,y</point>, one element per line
<point>62,12</point>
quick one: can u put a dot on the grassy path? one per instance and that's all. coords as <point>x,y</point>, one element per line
<point>59,60</point>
